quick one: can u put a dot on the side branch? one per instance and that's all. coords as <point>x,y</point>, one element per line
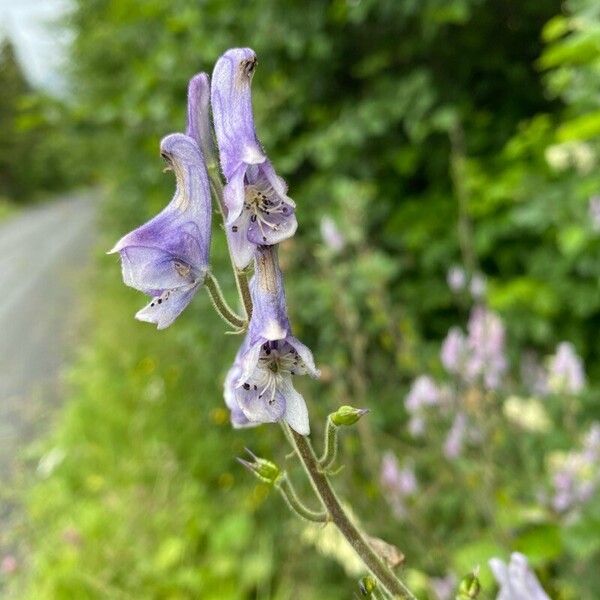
<point>337,514</point>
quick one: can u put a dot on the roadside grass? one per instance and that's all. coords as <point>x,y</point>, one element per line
<point>7,208</point>
<point>137,493</point>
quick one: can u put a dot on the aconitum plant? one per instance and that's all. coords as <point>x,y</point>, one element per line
<point>168,260</point>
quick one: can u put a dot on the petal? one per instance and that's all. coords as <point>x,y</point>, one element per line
<point>164,309</point>
<point>237,416</point>
<point>151,269</point>
<point>242,250</point>
<point>500,571</point>
<point>306,356</point>
<point>296,413</point>
<point>198,121</point>
<point>283,227</point>
<point>259,409</point>
<point>277,183</point>
<point>269,314</point>
<point>234,194</point>
<point>249,361</point>
<point>232,110</point>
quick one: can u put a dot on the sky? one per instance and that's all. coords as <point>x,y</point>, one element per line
<point>40,45</point>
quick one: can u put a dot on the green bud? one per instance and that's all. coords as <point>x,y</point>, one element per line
<point>264,469</point>
<point>469,587</point>
<point>347,415</point>
<point>367,586</point>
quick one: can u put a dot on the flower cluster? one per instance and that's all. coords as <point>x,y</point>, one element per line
<point>398,484</point>
<point>479,355</point>
<point>168,257</point>
<point>575,475</point>
<point>565,371</point>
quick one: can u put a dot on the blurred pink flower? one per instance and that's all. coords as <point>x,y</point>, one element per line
<point>456,278</point>
<point>397,483</point>
<point>453,351</point>
<point>453,445</point>
<point>576,477</point>
<point>9,564</point>
<point>565,370</point>
<point>478,286</point>
<point>443,587</point>
<point>331,234</point>
<point>423,392</point>
<point>486,359</point>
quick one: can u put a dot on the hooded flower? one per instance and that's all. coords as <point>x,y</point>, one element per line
<point>259,211</point>
<point>516,580</point>
<point>258,388</point>
<point>167,257</point>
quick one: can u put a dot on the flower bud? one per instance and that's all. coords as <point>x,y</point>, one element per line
<point>367,586</point>
<point>347,415</point>
<point>469,587</point>
<point>264,469</point>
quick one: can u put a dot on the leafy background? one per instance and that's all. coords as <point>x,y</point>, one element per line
<point>435,133</point>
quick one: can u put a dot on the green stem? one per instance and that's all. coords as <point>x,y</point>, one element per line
<point>331,445</point>
<point>244,291</point>
<point>355,537</point>
<point>284,485</point>
<point>218,300</point>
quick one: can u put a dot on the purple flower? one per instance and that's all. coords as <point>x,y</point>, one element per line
<point>516,580</point>
<point>485,342</point>
<point>456,278</point>
<point>398,483</point>
<point>259,387</point>
<point>423,392</point>
<point>259,211</point>
<point>565,372</point>
<point>453,445</point>
<point>167,258</point>
<point>576,475</point>
<point>454,351</point>
<point>443,587</point>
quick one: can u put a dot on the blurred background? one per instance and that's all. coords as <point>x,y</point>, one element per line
<point>444,157</point>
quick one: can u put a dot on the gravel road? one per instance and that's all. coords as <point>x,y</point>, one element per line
<point>43,253</point>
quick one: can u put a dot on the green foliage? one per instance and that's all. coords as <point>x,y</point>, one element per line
<point>40,145</point>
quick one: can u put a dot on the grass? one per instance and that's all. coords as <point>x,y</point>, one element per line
<point>140,495</point>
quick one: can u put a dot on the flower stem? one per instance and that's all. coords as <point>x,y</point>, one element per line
<point>285,487</point>
<point>355,537</point>
<point>244,291</point>
<point>331,445</point>
<point>218,300</point>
